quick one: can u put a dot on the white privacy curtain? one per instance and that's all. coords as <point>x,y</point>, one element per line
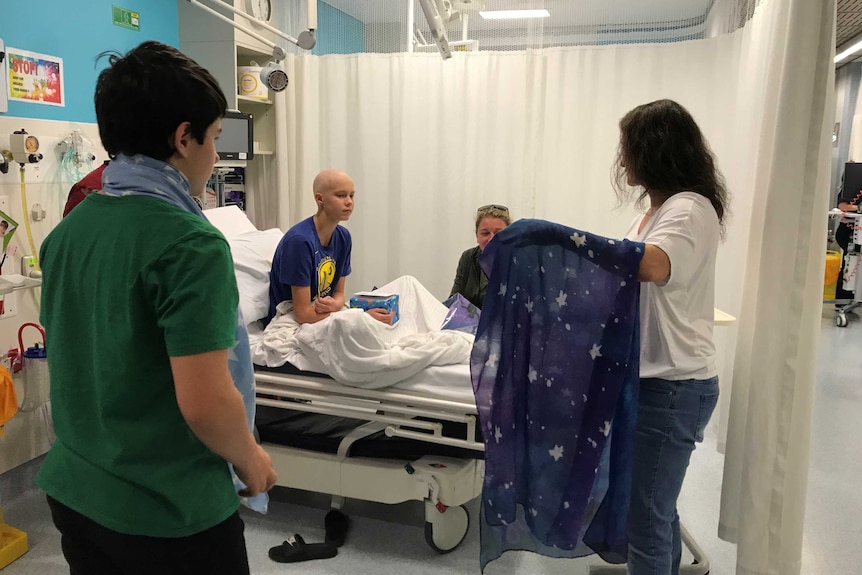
<point>766,463</point>
<point>428,141</point>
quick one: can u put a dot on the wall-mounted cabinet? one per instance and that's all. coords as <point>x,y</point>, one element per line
<point>221,49</point>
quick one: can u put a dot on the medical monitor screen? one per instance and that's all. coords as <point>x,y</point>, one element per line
<point>237,135</point>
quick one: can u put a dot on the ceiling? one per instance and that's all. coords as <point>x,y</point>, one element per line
<point>849,21</point>
<point>590,12</point>
<point>584,12</point>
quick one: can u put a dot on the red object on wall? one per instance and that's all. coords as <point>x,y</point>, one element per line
<point>92,182</point>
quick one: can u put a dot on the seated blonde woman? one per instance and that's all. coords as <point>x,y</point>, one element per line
<point>470,281</point>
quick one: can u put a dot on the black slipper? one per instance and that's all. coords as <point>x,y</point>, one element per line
<point>296,549</point>
<point>337,524</point>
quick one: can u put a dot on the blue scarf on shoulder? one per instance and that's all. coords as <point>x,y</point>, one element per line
<point>145,176</point>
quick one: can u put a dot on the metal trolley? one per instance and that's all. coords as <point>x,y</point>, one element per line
<point>852,274</point>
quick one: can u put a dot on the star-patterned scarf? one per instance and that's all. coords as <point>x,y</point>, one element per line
<point>555,375</point>
<point>144,176</point>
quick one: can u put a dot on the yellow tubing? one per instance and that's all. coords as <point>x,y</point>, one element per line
<point>27,220</point>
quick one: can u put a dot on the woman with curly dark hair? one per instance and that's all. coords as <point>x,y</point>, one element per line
<point>664,160</point>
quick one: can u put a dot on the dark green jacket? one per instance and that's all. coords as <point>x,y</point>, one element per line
<point>470,282</point>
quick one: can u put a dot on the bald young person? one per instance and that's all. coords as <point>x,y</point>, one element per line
<point>312,260</point>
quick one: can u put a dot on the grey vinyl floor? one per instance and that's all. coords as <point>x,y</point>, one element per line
<point>390,539</point>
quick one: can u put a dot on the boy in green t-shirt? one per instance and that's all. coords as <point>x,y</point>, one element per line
<point>139,302</point>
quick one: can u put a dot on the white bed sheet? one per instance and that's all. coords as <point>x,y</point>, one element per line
<point>451,382</point>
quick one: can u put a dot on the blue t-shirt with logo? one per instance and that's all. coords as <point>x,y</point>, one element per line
<point>301,260</point>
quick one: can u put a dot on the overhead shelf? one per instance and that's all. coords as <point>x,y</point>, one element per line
<point>251,100</point>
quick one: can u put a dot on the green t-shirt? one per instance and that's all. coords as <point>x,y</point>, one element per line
<point>129,282</point>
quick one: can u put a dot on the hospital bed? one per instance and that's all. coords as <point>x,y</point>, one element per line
<point>414,441</point>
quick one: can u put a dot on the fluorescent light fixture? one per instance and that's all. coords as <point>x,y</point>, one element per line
<point>513,14</point>
<point>848,52</point>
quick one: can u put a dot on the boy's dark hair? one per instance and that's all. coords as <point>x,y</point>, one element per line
<point>663,149</point>
<point>143,96</point>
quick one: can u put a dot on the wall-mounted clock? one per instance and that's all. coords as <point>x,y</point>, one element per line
<point>261,9</point>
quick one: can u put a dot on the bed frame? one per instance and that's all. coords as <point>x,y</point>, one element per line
<point>444,484</point>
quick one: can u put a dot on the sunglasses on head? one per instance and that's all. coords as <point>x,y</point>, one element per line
<point>493,207</point>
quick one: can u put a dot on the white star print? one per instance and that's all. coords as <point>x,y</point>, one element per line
<point>231,354</point>
<point>561,299</point>
<point>498,435</point>
<point>568,327</point>
<point>579,239</point>
<point>638,250</point>
<point>565,504</point>
<point>585,398</point>
<point>532,374</point>
<point>612,242</point>
<point>502,289</point>
<point>606,429</point>
<point>534,512</point>
<point>493,359</point>
<point>548,383</point>
<point>623,283</point>
<point>591,442</point>
<point>591,254</point>
<point>556,452</point>
<point>595,351</point>
<point>529,305</point>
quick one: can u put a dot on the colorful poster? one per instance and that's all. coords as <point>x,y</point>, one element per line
<point>7,230</point>
<point>33,77</point>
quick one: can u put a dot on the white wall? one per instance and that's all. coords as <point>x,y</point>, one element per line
<point>26,436</point>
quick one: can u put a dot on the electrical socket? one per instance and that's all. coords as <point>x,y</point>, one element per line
<point>10,305</point>
<point>28,264</point>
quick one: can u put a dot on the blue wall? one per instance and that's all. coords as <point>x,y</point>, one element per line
<point>77,31</point>
<point>337,33</point>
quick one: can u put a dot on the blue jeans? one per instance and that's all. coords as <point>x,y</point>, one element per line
<point>671,418</point>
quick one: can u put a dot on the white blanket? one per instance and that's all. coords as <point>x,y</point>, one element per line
<point>355,349</point>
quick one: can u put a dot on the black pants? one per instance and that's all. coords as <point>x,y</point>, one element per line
<point>91,549</point>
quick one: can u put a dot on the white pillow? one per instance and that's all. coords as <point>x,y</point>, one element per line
<point>230,221</point>
<point>252,260</point>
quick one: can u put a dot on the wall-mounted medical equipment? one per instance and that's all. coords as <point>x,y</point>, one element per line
<point>4,102</point>
<point>77,155</point>
<point>271,74</point>
<point>226,187</point>
<point>439,14</point>
<point>24,147</point>
<point>236,141</point>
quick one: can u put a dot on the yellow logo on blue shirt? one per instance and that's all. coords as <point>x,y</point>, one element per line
<point>325,275</point>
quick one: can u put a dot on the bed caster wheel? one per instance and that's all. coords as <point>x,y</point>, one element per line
<point>444,531</point>
<point>841,320</point>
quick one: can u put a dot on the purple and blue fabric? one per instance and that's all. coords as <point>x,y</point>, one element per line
<point>555,376</point>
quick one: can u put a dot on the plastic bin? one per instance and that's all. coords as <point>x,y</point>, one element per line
<point>830,278</point>
<point>13,543</point>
